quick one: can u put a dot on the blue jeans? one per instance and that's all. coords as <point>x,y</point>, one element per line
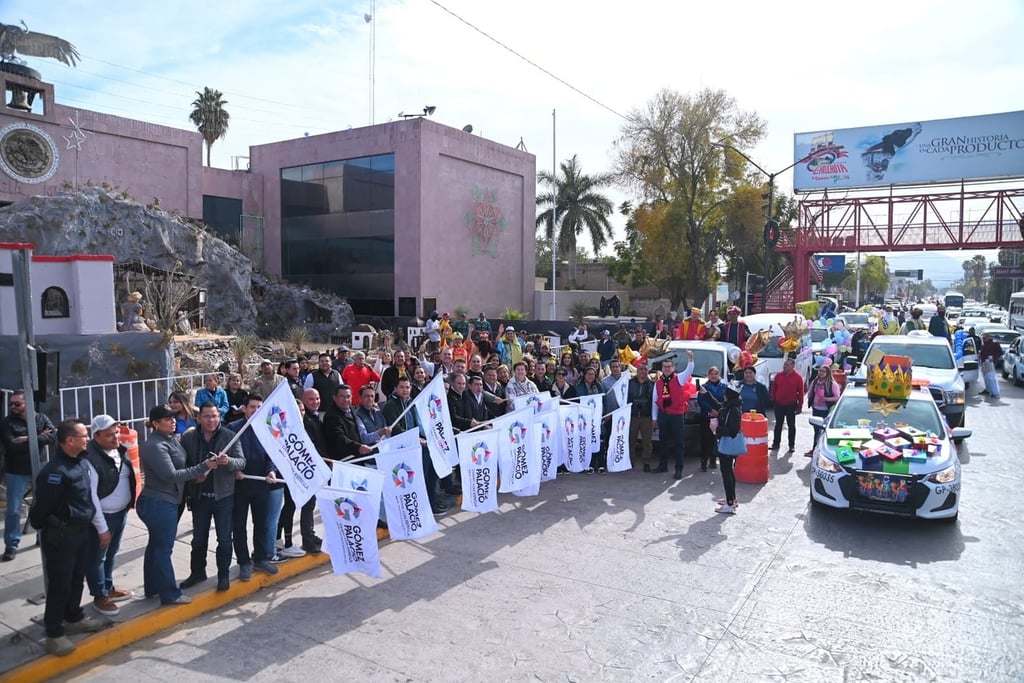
<point>161,520</point>
<point>17,484</point>
<point>101,560</point>
<point>255,495</point>
<point>275,501</point>
<point>205,510</point>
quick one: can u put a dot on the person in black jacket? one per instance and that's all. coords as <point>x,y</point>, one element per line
<point>14,436</point>
<point>115,488</point>
<point>63,511</point>
<point>340,429</point>
<point>729,423</point>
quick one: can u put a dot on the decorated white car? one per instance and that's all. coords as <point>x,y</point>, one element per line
<point>886,455</point>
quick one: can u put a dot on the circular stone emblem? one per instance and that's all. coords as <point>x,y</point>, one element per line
<point>27,153</point>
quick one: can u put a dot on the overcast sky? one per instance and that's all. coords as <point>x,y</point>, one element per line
<point>296,67</point>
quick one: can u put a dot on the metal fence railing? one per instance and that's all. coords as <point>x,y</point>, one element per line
<point>127,402</point>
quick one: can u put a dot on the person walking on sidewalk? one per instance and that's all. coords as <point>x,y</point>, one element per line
<point>163,464</point>
<point>114,480</point>
<point>787,393</point>
<point>64,509</point>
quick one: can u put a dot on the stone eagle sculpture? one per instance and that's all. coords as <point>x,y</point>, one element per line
<point>19,39</point>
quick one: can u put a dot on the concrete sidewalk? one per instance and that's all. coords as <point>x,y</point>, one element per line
<point>21,584</point>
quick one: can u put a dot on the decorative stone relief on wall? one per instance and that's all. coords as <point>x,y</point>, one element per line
<point>485,221</point>
<point>27,153</point>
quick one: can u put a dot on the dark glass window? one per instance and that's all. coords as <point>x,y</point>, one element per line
<point>223,215</point>
<point>338,229</point>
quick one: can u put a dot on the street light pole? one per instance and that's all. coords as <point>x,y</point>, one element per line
<point>769,210</point>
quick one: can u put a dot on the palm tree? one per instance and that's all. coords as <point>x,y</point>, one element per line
<point>579,205</point>
<point>210,117</point>
<point>974,276</point>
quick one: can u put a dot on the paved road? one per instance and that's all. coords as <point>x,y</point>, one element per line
<point>634,577</point>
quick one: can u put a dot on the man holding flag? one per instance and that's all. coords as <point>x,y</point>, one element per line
<point>399,413</point>
<point>616,386</point>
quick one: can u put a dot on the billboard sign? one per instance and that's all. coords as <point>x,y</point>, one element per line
<point>831,263</point>
<point>947,150</point>
<point>1003,272</point>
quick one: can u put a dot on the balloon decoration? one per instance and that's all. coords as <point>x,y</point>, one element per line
<point>958,344</point>
<point>842,337</point>
<point>734,354</point>
<point>757,342</point>
<point>794,332</point>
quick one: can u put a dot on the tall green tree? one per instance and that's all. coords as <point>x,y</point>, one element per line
<point>873,276</point>
<point>210,117</point>
<point>579,206</point>
<point>665,154</point>
<point>975,271</point>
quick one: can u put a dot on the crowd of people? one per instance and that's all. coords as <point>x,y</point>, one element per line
<point>192,460</point>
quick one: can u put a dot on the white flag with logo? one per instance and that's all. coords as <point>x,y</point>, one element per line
<point>478,465</point>
<point>278,426</point>
<point>618,440</point>
<point>358,477</point>
<point>584,427</point>
<point>410,438</point>
<point>349,517</point>
<point>595,404</point>
<point>620,390</point>
<point>568,416</point>
<point>549,437</point>
<point>518,456</point>
<point>431,406</point>
<point>535,401</point>
<point>405,494</point>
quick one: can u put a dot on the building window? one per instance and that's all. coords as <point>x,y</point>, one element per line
<point>223,214</point>
<point>338,230</point>
<point>55,303</point>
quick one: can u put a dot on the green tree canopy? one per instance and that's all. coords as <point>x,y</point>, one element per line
<point>665,154</point>
<point>210,117</point>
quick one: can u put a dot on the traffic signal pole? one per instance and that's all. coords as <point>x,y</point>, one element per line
<point>769,229</point>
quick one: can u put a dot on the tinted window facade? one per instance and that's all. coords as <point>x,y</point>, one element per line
<point>223,214</point>
<point>338,229</point>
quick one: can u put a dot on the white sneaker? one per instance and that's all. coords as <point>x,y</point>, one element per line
<point>292,551</point>
<point>726,509</point>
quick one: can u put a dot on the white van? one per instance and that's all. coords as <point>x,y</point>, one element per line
<point>774,355</point>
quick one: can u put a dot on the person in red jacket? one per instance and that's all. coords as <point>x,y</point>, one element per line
<point>787,393</point>
<point>692,328</point>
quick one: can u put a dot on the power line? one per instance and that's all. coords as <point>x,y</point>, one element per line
<point>528,60</point>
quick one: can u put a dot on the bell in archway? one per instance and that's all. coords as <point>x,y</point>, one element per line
<point>21,99</point>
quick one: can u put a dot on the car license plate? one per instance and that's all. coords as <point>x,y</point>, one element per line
<point>884,487</point>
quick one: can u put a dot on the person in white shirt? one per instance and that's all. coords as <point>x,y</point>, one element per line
<point>580,334</point>
<point>113,485</point>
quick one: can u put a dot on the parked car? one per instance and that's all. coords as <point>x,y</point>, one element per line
<point>1013,361</point>
<point>933,361</point>
<point>855,321</point>
<point>928,486</point>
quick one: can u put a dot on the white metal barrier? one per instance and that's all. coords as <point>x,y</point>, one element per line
<point>127,402</point>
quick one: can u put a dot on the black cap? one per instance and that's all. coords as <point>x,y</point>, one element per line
<point>731,394</point>
<point>160,413</point>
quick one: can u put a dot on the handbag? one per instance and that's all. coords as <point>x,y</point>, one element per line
<point>732,445</point>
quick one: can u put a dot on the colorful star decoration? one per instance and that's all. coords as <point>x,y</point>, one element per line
<point>884,407</point>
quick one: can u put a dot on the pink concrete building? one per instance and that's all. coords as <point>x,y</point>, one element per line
<point>400,218</point>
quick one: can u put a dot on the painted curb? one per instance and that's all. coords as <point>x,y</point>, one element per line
<point>92,648</point>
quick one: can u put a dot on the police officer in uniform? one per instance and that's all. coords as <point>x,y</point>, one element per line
<point>63,511</point>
